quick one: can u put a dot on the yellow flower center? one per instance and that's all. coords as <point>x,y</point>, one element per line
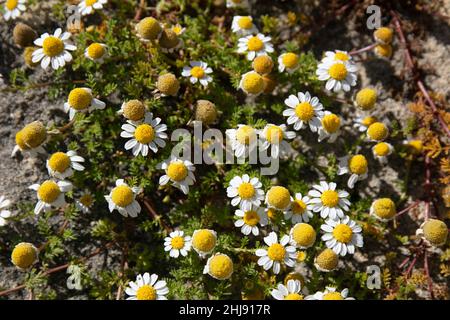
<point>197,72</point>
<point>331,123</point>
<point>168,84</point>
<point>255,44</point>
<point>32,135</point>
<point>48,191</point>
<point>244,134</point>
<point>293,296</point>
<point>274,134</point>
<point>358,164</point>
<point>251,218</point>
<point>384,34</point>
<point>204,240</point>
<point>278,197</point>
<point>435,231</point>
<point>253,83</point>
<point>23,255</point>
<point>327,259</point>
<point>303,234</point>
<point>177,171</point>
<point>415,146</point>
<point>384,50</point>
<point>245,22</point>
<point>332,296</point>
<point>177,242</point>
<point>304,111</point>
<point>301,256</point>
<point>146,292</point>
<point>149,28</point>
<point>134,110</point>
<point>276,252</point>
<point>59,162</point>
<point>298,206</point>
<point>96,51</point>
<point>122,196</point>
<point>366,98</point>
<point>263,64</point>
<point>273,214</point>
<point>144,133</point>
<point>377,131</point>
<point>290,60</point>
<point>343,233</point>
<point>338,71</point>
<point>246,190</point>
<point>381,149</point>
<point>221,266</point>
<point>177,29</point>
<point>80,98</point>
<point>11,4</point>
<point>52,46</point>
<point>341,56</point>
<point>330,198</point>
<point>367,121</point>
<point>87,200</point>
<point>384,208</point>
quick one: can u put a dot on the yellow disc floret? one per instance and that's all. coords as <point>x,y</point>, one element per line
<point>383,50</point>
<point>177,242</point>
<point>48,191</point>
<point>276,252</point>
<point>338,71</point>
<point>343,233</point>
<point>244,134</point>
<point>149,28</point>
<point>435,231</point>
<point>96,51</point>
<point>358,164</point>
<point>246,190</point>
<point>251,218</point>
<point>384,35</point>
<point>197,72</point>
<point>122,196</point>
<point>332,296</point>
<point>168,84</point>
<point>341,56</point>
<point>415,146</point>
<point>146,292</point>
<point>169,39</point>
<point>366,98</point>
<point>255,44</point>
<point>203,240</point>
<point>59,162</point>
<point>290,60</point>
<point>327,260</point>
<point>377,131</point>
<point>278,197</point>
<point>11,4</point>
<point>245,22</point>
<point>274,134</point>
<point>24,255</point>
<point>262,64</point>
<point>367,121</point>
<point>134,110</point>
<point>252,83</point>
<point>298,206</point>
<point>381,149</point>
<point>330,198</point>
<point>52,46</point>
<point>80,98</point>
<point>205,112</point>
<point>221,266</point>
<point>90,2</point>
<point>303,234</point>
<point>32,135</point>
<point>144,133</point>
<point>384,208</point>
<point>87,200</point>
<point>331,123</point>
<point>304,111</point>
<point>293,296</point>
<point>177,171</point>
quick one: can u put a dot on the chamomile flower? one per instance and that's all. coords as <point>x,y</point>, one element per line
<point>381,151</point>
<point>276,253</point>
<point>337,74</point>
<point>383,51</point>
<point>85,201</point>
<point>144,136</point>
<point>50,194</point>
<point>4,213</point>
<point>300,209</point>
<point>237,3</point>
<point>86,7</point>
<point>337,55</point>
<point>133,110</point>
<point>326,261</point>
<point>14,8</point>
<point>366,99</point>
<point>303,109</point>
<point>383,209</point>
<point>54,49</point>
<point>148,29</point>
<point>243,25</point>
<point>178,29</point>
<point>434,232</point>
<point>168,85</point>
<point>330,293</point>
<point>377,131</point>
<point>275,137</point>
<point>252,83</point>
<point>82,100</point>
<point>204,241</point>
<point>24,255</point>
<point>31,138</point>
<point>414,146</point>
<point>169,41</point>
<point>255,45</point>
<point>361,124</point>
<point>96,52</point>
<point>179,172</point>
<point>198,71</point>
<point>330,128</point>
<point>249,219</point>
<point>177,243</point>
<point>243,139</point>
<point>61,164</point>
<point>329,201</point>
<point>147,287</point>
<point>302,235</point>
<point>245,192</point>
<point>279,198</point>
<point>123,199</point>
<point>342,235</point>
<point>356,166</point>
<point>219,266</point>
<point>288,61</point>
<point>383,35</point>
<point>262,64</point>
<point>291,291</point>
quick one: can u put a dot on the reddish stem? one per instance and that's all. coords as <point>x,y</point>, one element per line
<point>415,204</point>
<point>358,51</point>
<point>427,272</point>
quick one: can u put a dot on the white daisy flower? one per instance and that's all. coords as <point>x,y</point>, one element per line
<point>237,3</point>
<point>245,192</point>
<point>356,166</point>
<point>342,235</point>
<point>178,29</point>
<point>50,194</point>
<point>61,164</point>
<point>249,219</point>
<point>85,202</point>
<point>198,71</point>
<point>147,287</point>
<point>4,213</point>
<point>303,108</point>
<point>288,61</point>
<point>204,241</point>
<point>219,266</point>
<point>123,199</point>
<point>362,123</point>
<point>177,243</point>
<point>14,8</point>
<point>275,136</point>
<point>147,135</point>
<point>433,232</point>
<point>255,45</point>
<point>330,293</point>
<point>54,49</point>
<point>86,7</point>
<point>381,151</point>
<point>291,291</point>
<point>338,75</point>
<point>300,209</point>
<point>337,55</point>
<point>82,100</point>
<point>243,25</point>
<point>276,253</point>
<point>329,201</point>
<point>96,52</point>
<point>330,128</point>
<point>179,172</point>
<point>243,139</point>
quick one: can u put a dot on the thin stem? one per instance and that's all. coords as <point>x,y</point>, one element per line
<point>427,272</point>
<point>413,205</point>
<point>359,51</point>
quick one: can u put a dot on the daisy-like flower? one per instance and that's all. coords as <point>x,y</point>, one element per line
<point>243,139</point>
<point>96,52</point>
<point>50,194</point>
<point>366,98</point>
<point>381,151</point>
<point>147,135</point>
<point>338,75</point>
<point>326,261</point>
<point>61,164</point>
<point>237,3</point>
<point>204,241</point>
<point>147,287</point>
<point>198,71</point>
<point>276,253</point>
<point>85,202</point>
<point>245,192</point>
<point>337,55</point>
<point>302,235</point>
<point>279,198</point>
<point>303,109</point>
<point>288,61</point>
<point>31,138</point>
<point>383,35</point>
<point>383,209</point>
<point>178,29</point>
<point>434,232</point>
<point>133,110</point>
<point>414,146</point>
<point>255,45</point>
<point>123,199</point>
<point>14,8</point>
<point>356,166</point>
<point>331,124</point>
<point>86,7</point>
<point>252,83</point>
<point>177,243</point>
<point>275,136</point>
<point>249,219</point>
<point>4,213</point>
<point>300,209</point>
<point>169,41</point>
<point>24,255</point>
<point>329,201</point>
<point>243,25</point>
<point>342,235</point>
<point>148,29</point>
<point>291,291</point>
<point>361,124</point>
<point>54,49</point>
<point>179,172</point>
<point>377,131</point>
<point>330,293</point>
<point>219,266</point>
<point>82,100</point>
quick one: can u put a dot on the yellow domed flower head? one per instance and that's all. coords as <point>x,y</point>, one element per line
<point>290,291</point>
<point>330,293</point>
<point>383,35</point>
<point>252,83</point>
<point>96,52</point>
<point>54,49</point>
<point>123,199</point>
<point>434,232</point>
<point>326,261</point>
<point>177,244</point>
<point>383,209</point>
<point>288,61</point>
<point>303,109</point>
<point>198,71</point>
<point>362,123</point>
<point>14,8</point>
<point>50,194</point>
<point>169,41</point>
<point>133,110</point>
<point>303,235</point>
<point>179,172</point>
<point>148,29</point>
<point>243,25</point>
<point>300,209</point>
<point>86,7</point>
<point>278,197</point>
<point>330,202</point>
<point>356,166</point>
<point>366,98</point>
<point>147,287</point>
<point>85,202</point>
<point>255,45</point>
<point>206,112</point>
<point>377,131</point>
<point>168,84</point>
<point>342,235</point>
<point>248,220</point>
<point>414,146</point>
<point>383,51</point>
<point>245,192</point>
<point>277,253</point>
<point>242,139</point>
<point>219,266</point>
<point>204,241</point>
<point>82,100</point>
<point>339,75</point>
<point>31,138</point>
<point>262,64</point>
<point>61,164</point>
<point>330,128</point>
<point>381,151</point>
<point>274,137</point>
<point>24,35</point>
<point>24,255</point>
